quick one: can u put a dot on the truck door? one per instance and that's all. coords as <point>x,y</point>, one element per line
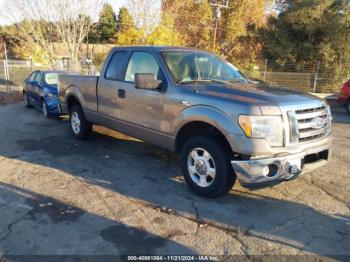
<point>110,83</point>
<point>144,108</point>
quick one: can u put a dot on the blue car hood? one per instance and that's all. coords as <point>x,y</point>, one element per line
<point>52,89</point>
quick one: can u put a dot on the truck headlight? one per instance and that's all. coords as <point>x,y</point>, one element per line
<point>268,127</point>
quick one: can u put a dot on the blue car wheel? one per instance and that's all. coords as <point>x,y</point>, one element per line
<point>26,101</point>
<point>45,109</point>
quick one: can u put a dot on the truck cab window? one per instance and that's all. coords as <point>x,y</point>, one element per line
<point>142,62</point>
<point>115,67</point>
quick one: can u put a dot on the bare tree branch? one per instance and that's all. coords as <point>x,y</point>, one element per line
<point>42,23</point>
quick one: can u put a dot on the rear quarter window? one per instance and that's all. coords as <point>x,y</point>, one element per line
<point>32,76</point>
<point>38,77</point>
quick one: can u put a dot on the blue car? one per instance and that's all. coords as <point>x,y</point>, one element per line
<point>41,91</point>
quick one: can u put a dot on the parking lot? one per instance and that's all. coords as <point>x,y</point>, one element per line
<point>115,195</point>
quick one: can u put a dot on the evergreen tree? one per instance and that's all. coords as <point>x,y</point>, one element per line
<point>316,30</point>
<point>107,24</point>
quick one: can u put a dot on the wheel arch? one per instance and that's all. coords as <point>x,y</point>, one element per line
<point>73,96</point>
<point>347,105</point>
<point>199,128</point>
<point>202,120</point>
<point>72,100</point>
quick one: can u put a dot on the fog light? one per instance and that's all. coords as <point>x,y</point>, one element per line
<point>273,170</point>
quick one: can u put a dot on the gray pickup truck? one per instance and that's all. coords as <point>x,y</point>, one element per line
<point>192,102</point>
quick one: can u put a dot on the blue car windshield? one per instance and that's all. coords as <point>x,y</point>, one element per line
<point>190,66</point>
<point>51,78</point>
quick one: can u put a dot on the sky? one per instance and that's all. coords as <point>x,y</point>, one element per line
<point>115,3</point>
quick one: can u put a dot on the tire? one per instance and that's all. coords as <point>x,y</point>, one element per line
<point>206,166</point>
<point>347,106</point>
<point>26,101</point>
<point>80,127</point>
<point>44,109</point>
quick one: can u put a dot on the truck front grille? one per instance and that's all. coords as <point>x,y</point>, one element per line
<point>309,124</point>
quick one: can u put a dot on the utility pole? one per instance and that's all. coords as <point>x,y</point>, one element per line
<point>6,68</point>
<point>265,70</point>
<point>316,76</point>
<point>217,4</point>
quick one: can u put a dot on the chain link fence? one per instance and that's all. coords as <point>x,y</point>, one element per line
<point>308,77</point>
<point>14,72</point>
<point>305,77</point>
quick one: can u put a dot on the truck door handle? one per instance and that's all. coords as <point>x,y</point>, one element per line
<point>121,93</point>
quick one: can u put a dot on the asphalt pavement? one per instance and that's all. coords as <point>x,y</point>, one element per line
<point>113,195</point>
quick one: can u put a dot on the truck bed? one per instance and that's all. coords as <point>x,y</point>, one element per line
<point>85,86</point>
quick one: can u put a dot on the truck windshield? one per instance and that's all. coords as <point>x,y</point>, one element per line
<point>192,66</point>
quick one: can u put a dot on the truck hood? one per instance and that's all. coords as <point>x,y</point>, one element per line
<point>267,97</point>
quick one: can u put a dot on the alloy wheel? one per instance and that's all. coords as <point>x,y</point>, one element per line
<point>26,100</point>
<point>201,167</point>
<point>44,109</point>
<point>75,122</point>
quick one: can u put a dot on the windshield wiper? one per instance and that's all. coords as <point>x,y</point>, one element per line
<point>198,80</point>
<point>193,81</point>
<point>237,80</point>
<point>221,81</point>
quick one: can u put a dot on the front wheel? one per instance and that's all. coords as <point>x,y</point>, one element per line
<point>44,108</point>
<point>206,167</point>
<point>81,128</point>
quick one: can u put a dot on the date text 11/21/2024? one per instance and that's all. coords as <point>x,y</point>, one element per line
<point>172,258</point>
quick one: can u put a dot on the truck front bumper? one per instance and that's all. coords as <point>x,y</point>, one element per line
<point>264,170</point>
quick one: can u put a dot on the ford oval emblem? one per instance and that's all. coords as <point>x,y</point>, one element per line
<point>318,122</point>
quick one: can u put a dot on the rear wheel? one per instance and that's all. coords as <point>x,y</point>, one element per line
<point>206,167</point>
<point>26,101</point>
<point>81,128</point>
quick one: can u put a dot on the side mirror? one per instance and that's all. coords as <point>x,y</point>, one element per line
<point>34,83</point>
<point>147,81</point>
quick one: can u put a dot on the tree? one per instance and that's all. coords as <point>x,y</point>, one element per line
<point>131,33</point>
<point>127,32</point>
<point>316,30</point>
<point>107,24</point>
<point>193,20</point>
<point>239,22</point>
<point>145,15</point>
<point>41,23</point>
<point>165,33</point>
